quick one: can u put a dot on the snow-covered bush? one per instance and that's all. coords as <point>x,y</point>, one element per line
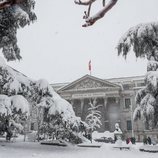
<point>143,38</point>
<point>13,111</point>
<point>60,121</point>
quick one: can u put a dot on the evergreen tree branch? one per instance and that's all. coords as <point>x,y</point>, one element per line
<point>8,3</point>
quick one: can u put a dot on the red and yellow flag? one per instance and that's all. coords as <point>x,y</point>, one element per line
<point>89,66</point>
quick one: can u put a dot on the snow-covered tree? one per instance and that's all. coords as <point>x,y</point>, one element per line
<point>94,115</point>
<point>143,39</point>
<point>60,118</point>
<point>90,20</point>
<point>14,14</point>
<point>42,96</point>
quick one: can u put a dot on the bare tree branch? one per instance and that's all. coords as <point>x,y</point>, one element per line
<point>89,10</point>
<point>91,20</point>
<point>87,13</point>
<point>104,1</point>
<point>80,2</point>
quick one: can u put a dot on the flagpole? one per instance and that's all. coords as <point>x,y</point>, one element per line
<point>90,67</point>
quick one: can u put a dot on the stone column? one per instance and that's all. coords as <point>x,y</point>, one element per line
<point>82,104</point>
<point>106,121</point>
<point>117,99</point>
<point>105,102</point>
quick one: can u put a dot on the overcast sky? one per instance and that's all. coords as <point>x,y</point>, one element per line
<point>58,49</point>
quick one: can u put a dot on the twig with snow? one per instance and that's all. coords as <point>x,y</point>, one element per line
<point>81,2</point>
<point>100,14</point>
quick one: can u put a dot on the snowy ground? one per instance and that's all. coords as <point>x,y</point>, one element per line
<point>21,149</point>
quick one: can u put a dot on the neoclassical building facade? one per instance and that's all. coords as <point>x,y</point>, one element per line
<point>116,97</point>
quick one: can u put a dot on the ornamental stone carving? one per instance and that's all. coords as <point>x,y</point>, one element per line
<point>89,83</point>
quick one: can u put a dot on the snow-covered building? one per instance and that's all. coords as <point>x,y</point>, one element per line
<point>117,97</point>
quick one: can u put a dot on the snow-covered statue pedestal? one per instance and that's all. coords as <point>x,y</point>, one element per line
<point>118,137</point>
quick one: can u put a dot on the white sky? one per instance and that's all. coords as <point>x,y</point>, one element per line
<point>58,49</point>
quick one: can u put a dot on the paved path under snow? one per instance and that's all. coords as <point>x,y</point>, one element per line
<point>31,149</point>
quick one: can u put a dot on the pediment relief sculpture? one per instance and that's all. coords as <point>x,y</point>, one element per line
<point>89,83</point>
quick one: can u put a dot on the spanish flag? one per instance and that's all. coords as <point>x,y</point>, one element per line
<point>89,66</point>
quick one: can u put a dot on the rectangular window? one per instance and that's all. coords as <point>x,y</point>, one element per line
<point>127,103</point>
<point>141,84</point>
<point>129,125</point>
<point>128,86</point>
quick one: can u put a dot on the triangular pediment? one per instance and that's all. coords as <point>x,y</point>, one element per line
<point>88,82</point>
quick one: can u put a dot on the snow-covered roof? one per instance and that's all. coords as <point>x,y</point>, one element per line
<point>126,79</point>
<point>118,80</point>
<point>89,82</point>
